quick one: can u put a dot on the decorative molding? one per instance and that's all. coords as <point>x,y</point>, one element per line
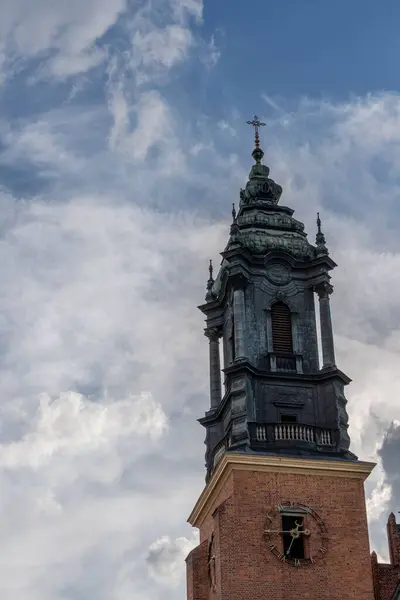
<point>235,461</point>
<point>324,290</point>
<point>288,402</point>
<point>290,289</point>
<point>238,281</point>
<point>213,333</point>
<point>278,273</point>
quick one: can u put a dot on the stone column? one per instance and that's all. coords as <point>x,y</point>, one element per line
<point>239,322</point>
<point>213,335</point>
<point>328,348</point>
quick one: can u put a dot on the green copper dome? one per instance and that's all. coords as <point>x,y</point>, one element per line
<point>262,225</point>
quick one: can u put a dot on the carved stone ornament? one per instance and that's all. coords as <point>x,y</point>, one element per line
<point>260,188</point>
<point>276,221</point>
<point>324,289</point>
<point>289,401</point>
<point>263,241</point>
<point>278,274</point>
<point>211,564</point>
<point>213,333</point>
<point>305,540</point>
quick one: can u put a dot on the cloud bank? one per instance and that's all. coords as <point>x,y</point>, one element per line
<point>115,192</point>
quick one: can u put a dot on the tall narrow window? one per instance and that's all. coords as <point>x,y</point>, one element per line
<point>282,340</point>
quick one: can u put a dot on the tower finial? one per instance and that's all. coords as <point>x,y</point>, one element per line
<point>210,279</point>
<point>233,212</point>
<point>210,282</point>
<point>320,238</point>
<point>257,152</point>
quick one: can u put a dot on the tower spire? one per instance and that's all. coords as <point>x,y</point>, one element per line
<point>234,225</point>
<point>257,153</point>
<point>320,238</point>
<point>210,281</point>
<point>233,212</point>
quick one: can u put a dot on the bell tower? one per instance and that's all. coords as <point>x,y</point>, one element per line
<point>283,511</point>
<point>261,307</point>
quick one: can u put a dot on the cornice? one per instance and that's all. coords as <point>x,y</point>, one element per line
<point>294,378</point>
<point>235,461</point>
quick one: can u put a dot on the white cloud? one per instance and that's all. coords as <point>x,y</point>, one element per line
<point>213,52</point>
<point>153,129</point>
<point>67,36</point>
<point>165,558</point>
<point>68,30</point>
<point>225,126</point>
<point>40,143</point>
<point>191,8</point>
<point>378,501</point>
<point>271,102</point>
<point>103,361</point>
<point>70,425</point>
<point>165,47</point>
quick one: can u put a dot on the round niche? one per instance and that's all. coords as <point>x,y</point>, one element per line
<point>278,273</point>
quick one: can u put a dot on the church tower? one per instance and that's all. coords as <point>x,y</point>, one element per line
<point>282,515</point>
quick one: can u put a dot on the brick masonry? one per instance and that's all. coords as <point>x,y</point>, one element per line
<point>387,576</point>
<point>245,569</point>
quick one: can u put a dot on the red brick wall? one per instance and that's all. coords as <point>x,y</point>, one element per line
<point>197,573</point>
<point>393,533</point>
<point>207,527</point>
<point>247,570</point>
<point>387,576</point>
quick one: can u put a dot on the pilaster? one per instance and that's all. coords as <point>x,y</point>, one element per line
<point>214,334</point>
<point>239,315</point>
<point>328,349</point>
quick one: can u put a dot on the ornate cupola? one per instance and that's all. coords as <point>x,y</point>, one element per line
<point>276,397</point>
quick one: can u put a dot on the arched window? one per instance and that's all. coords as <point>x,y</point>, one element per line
<point>282,340</point>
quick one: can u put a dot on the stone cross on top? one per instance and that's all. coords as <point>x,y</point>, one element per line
<point>256,123</point>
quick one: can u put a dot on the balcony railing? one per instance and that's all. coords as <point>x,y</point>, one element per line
<point>263,433</point>
<point>286,431</point>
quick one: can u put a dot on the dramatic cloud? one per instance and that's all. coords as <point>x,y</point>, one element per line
<point>70,38</point>
<point>114,195</point>
<point>389,453</point>
<point>165,558</point>
<point>63,33</point>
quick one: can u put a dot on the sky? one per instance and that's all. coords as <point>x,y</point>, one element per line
<point>123,143</point>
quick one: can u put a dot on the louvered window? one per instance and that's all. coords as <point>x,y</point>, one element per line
<point>281,328</point>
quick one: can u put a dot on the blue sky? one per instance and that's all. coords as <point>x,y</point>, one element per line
<point>312,48</point>
<point>123,143</point>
